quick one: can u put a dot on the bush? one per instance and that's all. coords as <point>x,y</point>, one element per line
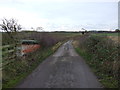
<point>44,39</point>
<point>104,54</point>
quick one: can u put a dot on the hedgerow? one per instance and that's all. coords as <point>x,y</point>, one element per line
<point>102,55</point>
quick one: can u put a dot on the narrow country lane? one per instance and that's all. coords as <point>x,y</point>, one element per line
<point>64,69</point>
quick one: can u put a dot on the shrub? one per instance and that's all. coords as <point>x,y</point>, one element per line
<point>104,54</point>
<point>44,39</point>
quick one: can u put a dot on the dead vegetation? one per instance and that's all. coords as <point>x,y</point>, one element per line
<point>102,54</point>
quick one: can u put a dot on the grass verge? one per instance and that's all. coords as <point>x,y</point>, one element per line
<point>101,55</point>
<point>106,80</point>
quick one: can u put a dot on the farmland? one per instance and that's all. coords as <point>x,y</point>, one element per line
<point>112,36</point>
<point>106,34</point>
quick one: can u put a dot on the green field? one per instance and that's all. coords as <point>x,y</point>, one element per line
<point>106,34</point>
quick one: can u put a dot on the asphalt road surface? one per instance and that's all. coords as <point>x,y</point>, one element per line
<point>64,69</point>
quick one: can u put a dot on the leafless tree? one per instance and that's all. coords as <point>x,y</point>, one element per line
<point>40,28</point>
<point>10,26</point>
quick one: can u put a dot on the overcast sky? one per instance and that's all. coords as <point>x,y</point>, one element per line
<point>62,14</point>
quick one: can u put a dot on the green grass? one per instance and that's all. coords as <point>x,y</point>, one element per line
<point>105,34</point>
<point>83,53</point>
<point>107,80</point>
<point>18,70</point>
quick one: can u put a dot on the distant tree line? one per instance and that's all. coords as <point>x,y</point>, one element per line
<point>94,31</point>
